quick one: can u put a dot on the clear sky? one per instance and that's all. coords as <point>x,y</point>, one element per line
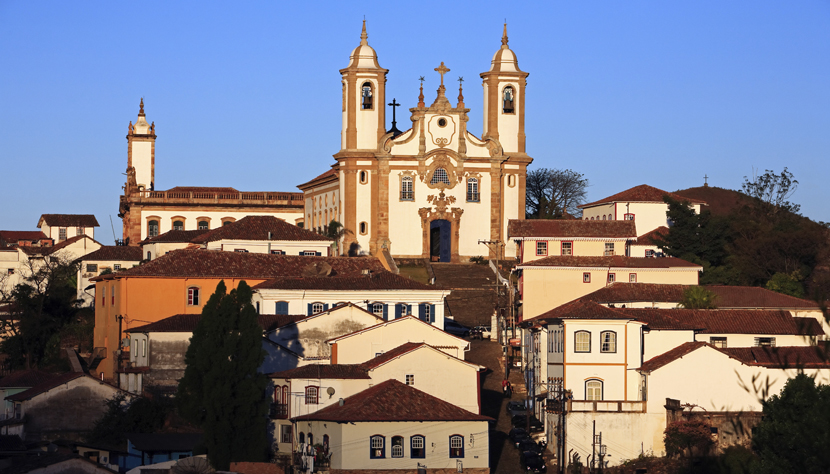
<point>247,94</point>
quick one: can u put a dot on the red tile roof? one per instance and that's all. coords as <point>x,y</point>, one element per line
<point>615,261</point>
<point>756,297</point>
<point>14,236</point>
<point>259,228</point>
<point>665,358</point>
<point>188,322</point>
<point>381,280</point>
<point>641,193</point>
<point>47,385</point>
<point>578,309</point>
<point>648,237</point>
<point>392,354</point>
<point>330,174</point>
<point>324,371</point>
<point>68,220</point>
<point>218,264</point>
<point>811,357</point>
<point>622,293</point>
<point>175,236</point>
<point>565,228</point>
<point>114,253</point>
<point>392,401</point>
<point>728,297</point>
<point>55,248</point>
<point>730,321</point>
<point>25,378</point>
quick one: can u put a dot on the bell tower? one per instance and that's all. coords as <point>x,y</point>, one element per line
<point>504,99</point>
<point>364,98</point>
<point>141,150</point>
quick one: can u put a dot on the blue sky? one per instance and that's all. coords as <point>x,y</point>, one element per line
<point>247,94</point>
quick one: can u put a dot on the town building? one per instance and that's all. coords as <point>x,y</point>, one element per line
<point>60,227</point>
<point>108,258</point>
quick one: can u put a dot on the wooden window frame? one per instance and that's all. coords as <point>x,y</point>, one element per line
<point>601,389</point>
<point>407,195</point>
<point>612,277</point>
<point>377,451</point>
<point>570,250</point>
<point>586,277</point>
<point>632,278</point>
<point>393,446</point>
<point>602,342</point>
<point>460,453</point>
<point>193,295</point>
<point>577,343</point>
<point>539,247</point>
<point>312,394</point>
<point>413,450</point>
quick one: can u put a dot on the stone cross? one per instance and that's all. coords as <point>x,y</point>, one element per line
<point>394,104</point>
<point>442,70</point>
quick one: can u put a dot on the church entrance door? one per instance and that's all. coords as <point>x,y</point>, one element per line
<point>439,240</point>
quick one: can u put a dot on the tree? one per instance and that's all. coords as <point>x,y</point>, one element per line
<point>686,436</point>
<point>693,236</point>
<point>335,231</point>
<point>41,306</point>
<point>552,193</point>
<point>772,191</point>
<point>698,297</point>
<point>787,283</point>
<point>795,430</point>
<point>123,416</point>
<point>221,390</point>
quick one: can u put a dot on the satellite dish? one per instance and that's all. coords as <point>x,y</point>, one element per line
<point>330,391</point>
<point>317,269</point>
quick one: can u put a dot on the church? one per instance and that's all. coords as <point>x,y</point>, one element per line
<point>435,190</point>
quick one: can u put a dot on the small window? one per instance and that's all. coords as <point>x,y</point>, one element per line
<point>417,448</point>
<point>632,278</point>
<point>378,447</point>
<point>628,217</point>
<point>367,99</point>
<point>472,190</point>
<point>582,341</point>
<point>567,248</point>
<point>397,446</point>
<point>407,193</point>
<point>308,253</point>
<point>144,348</point>
<point>149,255</point>
<point>311,395</point>
<point>440,176</point>
<point>649,253</point>
<point>363,228</point>
<point>285,433</point>
<point>456,446</point>
<point>203,225</point>
<point>278,252</point>
<point>79,231</point>
<point>281,307</point>
<point>240,250</point>
<point>410,379</point>
<point>593,390</point>
<point>103,295</point>
<point>11,271</point>
<point>178,225</point>
<point>193,296</point>
<point>608,341</point>
<point>112,295</point>
<point>609,249</point>
<point>719,342</point>
<point>765,341</point>
<point>302,437</point>
<point>541,247</point>
<point>377,309</point>
<point>62,234</point>
<point>317,308</point>
<point>586,277</point>
<point>116,267</point>
<point>442,122</point>
<point>224,223</point>
<point>612,277</point>
<point>92,267</point>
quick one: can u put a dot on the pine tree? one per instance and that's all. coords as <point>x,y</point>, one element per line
<point>221,390</point>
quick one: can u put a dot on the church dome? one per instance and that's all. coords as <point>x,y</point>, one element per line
<point>505,59</point>
<point>364,56</point>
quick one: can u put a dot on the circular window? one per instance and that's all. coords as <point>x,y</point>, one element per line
<point>442,122</point>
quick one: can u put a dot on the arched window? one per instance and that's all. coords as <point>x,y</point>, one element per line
<point>440,176</point>
<point>363,228</point>
<point>193,296</point>
<point>407,194</point>
<point>149,255</point>
<point>472,190</point>
<point>317,308</point>
<point>397,446</point>
<point>608,341</point>
<point>153,228</point>
<point>311,394</point>
<point>378,309</point>
<point>508,96</point>
<point>364,177</point>
<point>367,97</point>
<point>178,225</point>
<point>456,446</point>
<point>203,225</point>
<point>603,217</point>
<point>593,389</point>
<point>582,341</point>
<point>417,447</point>
<point>378,447</point>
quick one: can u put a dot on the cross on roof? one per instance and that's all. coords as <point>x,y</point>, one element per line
<point>442,70</point>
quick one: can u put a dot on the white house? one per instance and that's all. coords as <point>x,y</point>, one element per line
<point>265,234</point>
<point>154,247</point>
<point>540,238</point>
<point>111,258</point>
<point>60,227</point>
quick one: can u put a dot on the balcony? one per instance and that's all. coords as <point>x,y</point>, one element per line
<point>239,198</point>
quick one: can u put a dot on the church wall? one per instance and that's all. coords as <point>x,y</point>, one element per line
<point>215,216</point>
<point>405,229</point>
<point>367,120</point>
<point>475,222</point>
<point>511,210</point>
<point>363,210</point>
<point>322,205</point>
<point>141,156</point>
<point>596,212</point>
<point>509,123</point>
<point>407,149</point>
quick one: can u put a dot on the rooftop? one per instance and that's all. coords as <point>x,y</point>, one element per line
<point>649,237</point>
<point>175,236</point>
<point>641,193</point>
<point>729,321</point>
<point>379,280</point>
<point>188,322</point>
<point>570,228</point>
<point>324,371</point>
<point>614,261</point>
<point>46,385</point>
<point>728,297</point>
<point>770,357</point>
<point>578,309</point>
<point>115,253</point>
<point>328,175</point>
<point>25,378</point>
<point>56,248</point>
<point>68,220</point>
<point>259,228</point>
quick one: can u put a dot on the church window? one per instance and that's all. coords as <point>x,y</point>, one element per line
<point>203,225</point>
<point>567,248</point>
<point>178,225</point>
<point>472,190</point>
<point>442,122</point>
<point>364,177</point>
<point>407,194</point>
<point>367,98</point>
<point>193,296</point>
<point>363,228</point>
<point>440,176</point>
<point>507,100</point>
<point>153,228</point>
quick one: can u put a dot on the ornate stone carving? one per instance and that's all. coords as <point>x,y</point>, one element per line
<point>442,160</point>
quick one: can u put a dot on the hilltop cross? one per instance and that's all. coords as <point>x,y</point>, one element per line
<point>442,70</point>
<point>706,180</point>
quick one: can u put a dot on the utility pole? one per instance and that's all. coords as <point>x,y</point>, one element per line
<point>594,448</point>
<point>597,442</point>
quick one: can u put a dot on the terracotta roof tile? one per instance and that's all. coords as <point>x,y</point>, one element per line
<point>55,248</point>
<point>115,252</point>
<point>176,236</point>
<point>393,401</point>
<point>578,309</point>
<point>391,354</point>
<point>781,357</point>
<point>25,378</point>
<point>756,297</point>
<point>46,385</point>
<point>324,371</point>
<point>665,358</point>
<point>622,293</point>
<point>567,228</point>
<point>648,237</point>
<point>615,261</point>
<point>188,322</point>
<point>381,280</point>
<point>332,173</point>
<point>218,264</point>
<point>729,321</point>
<point>259,228</point>
<point>728,297</point>
<point>69,220</point>
<point>641,193</point>
<point>14,236</point>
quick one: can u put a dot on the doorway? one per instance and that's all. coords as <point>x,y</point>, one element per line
<point>439,240</point>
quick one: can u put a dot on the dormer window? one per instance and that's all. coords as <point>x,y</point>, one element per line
<point>507,100</point>
<point>367,97</point>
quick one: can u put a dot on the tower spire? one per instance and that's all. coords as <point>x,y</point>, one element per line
<point>364,38</point>
<point>141,107</point>
<point>504,36</point>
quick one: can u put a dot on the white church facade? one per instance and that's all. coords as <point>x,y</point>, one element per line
<point>435,190</point>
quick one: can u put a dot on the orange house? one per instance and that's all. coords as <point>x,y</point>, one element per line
<point>180,282</point>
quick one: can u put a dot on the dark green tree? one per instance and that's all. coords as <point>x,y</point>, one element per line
<point>221,390</point>
<point>687,436</point>
<point>787,283</point>
<point>794,434</point>
<point>335,231</point>
<point>698,297</point>
<point>553,193</point>
<point>124,416</point>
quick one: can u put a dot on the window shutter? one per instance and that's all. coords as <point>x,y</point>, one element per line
<point>422,312</point>
<point>432,313</point>
<point>325,307</point>
<point>301,253</point>
<point>309,309</point>
<point>317,254</point>
<point>398,311</point>
<point>409,309</point>
<point>282,307</point>
<point>385,312</point>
